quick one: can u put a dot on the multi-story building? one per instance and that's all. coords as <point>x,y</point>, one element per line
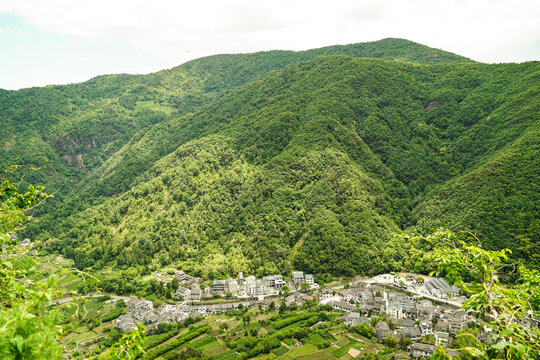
<point>297,277</point>
<point>219,287</point>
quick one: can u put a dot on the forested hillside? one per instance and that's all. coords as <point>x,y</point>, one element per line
<point>282,160</point>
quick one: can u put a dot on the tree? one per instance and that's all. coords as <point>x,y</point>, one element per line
<point>390,341</point>
<point>365,330</point>
<point>129,347</point>
<point>282,307</point>
<point>27,327</point>
<point>305,287</point>
<point>285,290</point>
<point>404,343</point>
<point>502,306</point>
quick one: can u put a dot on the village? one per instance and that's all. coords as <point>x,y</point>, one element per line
<point>413,307</point>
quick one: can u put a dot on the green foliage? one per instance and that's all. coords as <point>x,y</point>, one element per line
<point>129,347</point>
<point>171,345</point>
<point>404,343</point>
<point>28,329</point>
<point>331,172</point>
<point>280,351</point>
<point>263,346</point>
<point>113,314</point>
<point>203,341</point>
<point>291,320</point>
<point>154,340</point>
<point>28,326</point>
<point>390,341</point>
<point>344,349</point>
<point>305,287</point>
<point>189,353</point>
<point>289,342</point>
<point>503,307</point>
<point>365,330</point>
<point>281,160</point>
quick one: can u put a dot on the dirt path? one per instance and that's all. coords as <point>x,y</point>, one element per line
<point>79,342</point>
<point>294,250</point>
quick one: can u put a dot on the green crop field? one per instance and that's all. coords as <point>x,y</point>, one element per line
<point>307,349</point>
<point>321,355</point>
<point>316,339</point>
<point>343,350</point>
<point>280,350</point>
<point>227,355</point>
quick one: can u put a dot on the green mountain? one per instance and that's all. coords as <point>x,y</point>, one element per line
<point>280,160</point>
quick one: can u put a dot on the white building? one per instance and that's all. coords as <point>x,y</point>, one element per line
<point>395,311</point>
<point>251,286</point>
<point>297,277</point>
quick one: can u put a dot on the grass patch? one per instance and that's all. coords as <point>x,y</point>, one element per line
<point>227,355</point>
<point>304,349</point>
<point>199,343</point>
<point>85,335</point>
<point>93,304</point>
<point>151,105</point>
<point>316,339</point>
<point>70,282</point>
<point>307,349</point>
<point>321,355</point>
<point>285,323</point>
<point>155,340</point>
<point>280,350</point>
<point>113,314</point>
<point>289,341</point>
<point>150,339</point>
<point>342,341</point>
<point>216,350</point>
<point>179,342</point>
<point>344,349</point>
<point>211,346</point>
<point>292,326</point>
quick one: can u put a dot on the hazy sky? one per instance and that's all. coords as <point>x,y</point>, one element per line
<point>61,41</point>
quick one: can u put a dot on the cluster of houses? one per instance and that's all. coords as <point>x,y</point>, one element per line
<point>143,311</point>
<point>414,319</point>
<point>250,286</point>
<point>191,291</point>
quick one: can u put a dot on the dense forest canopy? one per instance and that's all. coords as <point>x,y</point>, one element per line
<point>278,160</point>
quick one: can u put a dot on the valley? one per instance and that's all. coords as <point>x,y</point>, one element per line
<point>374,201</point>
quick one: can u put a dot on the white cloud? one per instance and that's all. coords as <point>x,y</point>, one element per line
<point>175,31</point>
<point>10,31</point>
<point>169,27</point>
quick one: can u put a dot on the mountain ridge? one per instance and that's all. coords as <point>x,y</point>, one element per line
<point>335,153</point>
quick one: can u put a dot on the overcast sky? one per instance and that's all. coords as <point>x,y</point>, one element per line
<point>63,41</point>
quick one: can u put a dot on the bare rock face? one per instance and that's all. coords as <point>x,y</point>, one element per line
<point>80,163</point>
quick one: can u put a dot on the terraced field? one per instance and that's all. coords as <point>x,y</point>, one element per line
<point>308,333</point>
